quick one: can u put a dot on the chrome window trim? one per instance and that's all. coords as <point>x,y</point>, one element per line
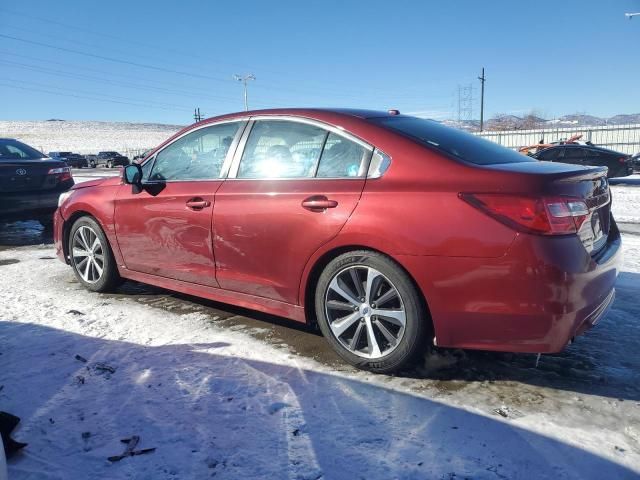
<point>235,164</point>
<point>225,164</point>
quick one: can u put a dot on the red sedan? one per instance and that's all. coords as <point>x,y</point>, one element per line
<point>390,232</point>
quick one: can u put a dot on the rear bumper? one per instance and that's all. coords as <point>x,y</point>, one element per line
<point>536,298</point>
<point>27,206</point>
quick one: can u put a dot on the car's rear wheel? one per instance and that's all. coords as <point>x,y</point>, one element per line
<point>91,256</point>
<point>371,312</point>
<point>109,164</point>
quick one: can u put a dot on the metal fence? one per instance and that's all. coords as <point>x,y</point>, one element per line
<point>622,138</point>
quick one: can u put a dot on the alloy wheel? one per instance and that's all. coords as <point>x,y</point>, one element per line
<point>88,254</point>
<point>365,312</point>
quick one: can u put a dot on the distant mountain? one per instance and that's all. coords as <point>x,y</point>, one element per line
<point>88,136</point>
<point>530,122</point>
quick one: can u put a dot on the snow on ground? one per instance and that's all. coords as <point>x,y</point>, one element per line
<point>224,393</point>
<point>219,401</point>
<point>88,137</point>
<point>626,200</point>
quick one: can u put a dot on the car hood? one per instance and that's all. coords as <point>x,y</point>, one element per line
<point>100,182</point>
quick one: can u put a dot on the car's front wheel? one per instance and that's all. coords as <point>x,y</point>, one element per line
<point>370,311</point>
<point>91,256</point>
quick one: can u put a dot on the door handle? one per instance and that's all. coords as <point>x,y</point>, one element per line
<point>318,203</point>
<point>197,203</point>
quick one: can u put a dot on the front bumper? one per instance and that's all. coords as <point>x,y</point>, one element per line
<point>58,235</point>
<point>536,298</point>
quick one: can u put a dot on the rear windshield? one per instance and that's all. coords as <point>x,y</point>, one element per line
<point>14,150</point>
<point>451,141</point>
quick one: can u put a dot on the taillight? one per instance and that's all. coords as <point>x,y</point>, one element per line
<point>624,159</point>
<point>63,173</point>
<point>541,215</point>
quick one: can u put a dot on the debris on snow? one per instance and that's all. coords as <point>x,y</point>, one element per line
<point>507,412</point>
<point>129,451</point>
<point>101,368</point>
<point>81,358</point>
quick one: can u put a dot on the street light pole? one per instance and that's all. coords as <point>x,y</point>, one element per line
<point>244,79</point>
<point>631,15</point>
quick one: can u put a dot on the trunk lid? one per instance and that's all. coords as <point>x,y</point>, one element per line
<point>28,175</point>
<point>589,184</point>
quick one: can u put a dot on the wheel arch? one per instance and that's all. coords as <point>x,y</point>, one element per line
<point>68,224</point>
<point>315,270</point>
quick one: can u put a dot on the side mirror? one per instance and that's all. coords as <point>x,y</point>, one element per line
<point>132,174</point>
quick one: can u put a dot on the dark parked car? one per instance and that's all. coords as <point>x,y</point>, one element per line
<point>619,164</point>
<point>388,231</point>
<point>111,159</point>
<point>74,160</point>
<point>635,161</point>
<point>30,182</point>
<point>142,155</point>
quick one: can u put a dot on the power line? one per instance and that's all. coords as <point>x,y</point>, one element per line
<point>264,85</point>
<point>145,87</point>
<point>110,59</point>
<point>62,94</point>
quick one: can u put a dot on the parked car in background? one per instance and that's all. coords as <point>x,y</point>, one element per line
<point>142,155</point>
<point>111,159</point>
<point>619,164</point>
<point>388,231</point>
<point>74,160</point>
<point>635,162</point>
<point>30,182</point>
<point>92,160</point>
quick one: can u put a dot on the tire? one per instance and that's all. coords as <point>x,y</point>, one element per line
<point>353,344</point>
<point>93,165</point>
<point>109,164</point>
<point>82,236</point>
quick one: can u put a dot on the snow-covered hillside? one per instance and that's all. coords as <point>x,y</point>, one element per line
<point>88,137</point>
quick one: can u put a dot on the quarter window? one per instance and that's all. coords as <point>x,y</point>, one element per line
<point>341,158</point>
<point>198,155</point>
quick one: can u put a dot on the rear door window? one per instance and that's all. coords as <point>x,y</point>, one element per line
<point>282,149</point>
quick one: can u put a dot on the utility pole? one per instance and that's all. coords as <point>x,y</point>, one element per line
<point>244,79</point>
<point>482,79</point>
<point>196,114</point>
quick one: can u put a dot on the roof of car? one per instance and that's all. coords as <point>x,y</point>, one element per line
<point>310,112</point>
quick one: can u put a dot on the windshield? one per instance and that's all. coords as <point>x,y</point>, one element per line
<point>451,141</point>
<point>14,150</point>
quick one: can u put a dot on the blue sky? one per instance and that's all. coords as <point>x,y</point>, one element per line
<point>156,61</point>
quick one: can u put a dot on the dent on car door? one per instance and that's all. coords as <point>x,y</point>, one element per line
<point>291,189</point>
<point>165,229</point>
